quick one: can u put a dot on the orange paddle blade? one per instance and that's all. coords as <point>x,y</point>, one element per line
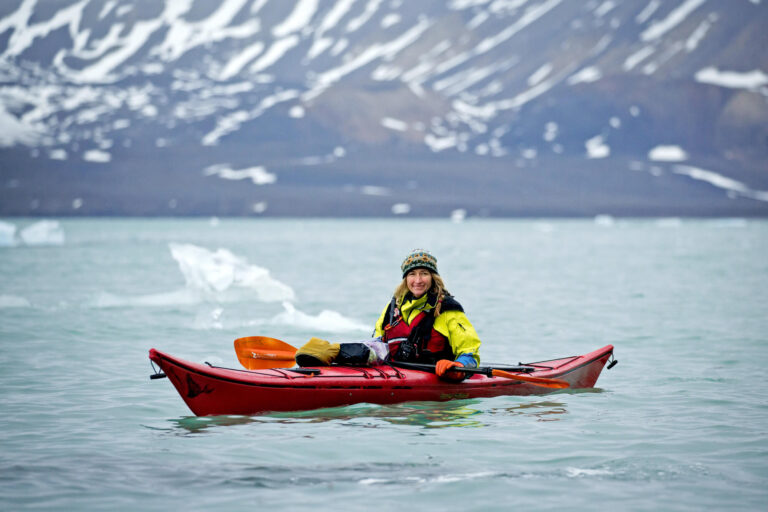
<point>539,381</point>
<point>261,352</point>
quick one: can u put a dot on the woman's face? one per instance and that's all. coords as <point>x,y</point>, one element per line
<point>419,281</point>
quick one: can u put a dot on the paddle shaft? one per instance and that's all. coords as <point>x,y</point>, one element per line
<point>491,372</point>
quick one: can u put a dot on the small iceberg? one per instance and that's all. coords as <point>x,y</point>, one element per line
<point>218,271</point>
<point>44,232</point>
<point>458,215</point>
<point>604,220</point>
<point>326,320</point>
<point>7,234</point>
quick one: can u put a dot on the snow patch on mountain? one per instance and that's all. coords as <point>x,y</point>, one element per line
<point>15,131</point>
<point>257,174</point>
<point>734,188</point>
<point>667,153</point>
<point>673,19</point>
<point>597,148</point>
<point>735,80</point>
<point>97,156</point>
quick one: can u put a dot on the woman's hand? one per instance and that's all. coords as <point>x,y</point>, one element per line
<point>443,369</point>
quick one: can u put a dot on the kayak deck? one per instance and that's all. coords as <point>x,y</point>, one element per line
<point>211,390</point>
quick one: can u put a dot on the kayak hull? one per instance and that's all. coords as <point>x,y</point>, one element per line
<point>210,390</point>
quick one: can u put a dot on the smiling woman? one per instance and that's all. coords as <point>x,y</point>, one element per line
<point>423,323</point>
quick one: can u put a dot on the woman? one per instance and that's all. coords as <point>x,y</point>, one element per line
<point>422,323</point>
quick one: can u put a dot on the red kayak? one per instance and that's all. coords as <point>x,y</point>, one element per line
<point>211,390</point>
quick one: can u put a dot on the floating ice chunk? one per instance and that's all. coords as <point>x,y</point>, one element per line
<point>544,227</point>
<point>458,215</point>
<point>326,320</point>
<point>732,79</point>
<point>13,301</point>
<point>258,174</point>
<point>401,208</point>
<point>297,112</point>
<point>259,207</point>
<point>670,222</point>
<point>218,271</point>
<point>604,220</point>
<point>735,222</point>
<point>7,234</point>
<point>597,148</point>
<point>44,232</point>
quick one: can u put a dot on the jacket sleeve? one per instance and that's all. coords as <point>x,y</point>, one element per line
<point>378,330</point>
<point>462,336</point>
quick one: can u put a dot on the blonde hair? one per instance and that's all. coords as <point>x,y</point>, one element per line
<point>437,288</point>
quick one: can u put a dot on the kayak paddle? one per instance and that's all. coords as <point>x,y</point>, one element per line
<point>493,372</point>
<point>262,352</point>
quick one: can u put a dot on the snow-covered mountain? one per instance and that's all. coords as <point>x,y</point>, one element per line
<point>384,107</point>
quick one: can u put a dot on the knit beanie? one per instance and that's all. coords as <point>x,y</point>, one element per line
<point>419,258</point>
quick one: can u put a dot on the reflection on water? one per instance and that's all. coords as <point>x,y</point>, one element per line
<point>456,413</point>
<point>199,424</point>
<point>543,411</point>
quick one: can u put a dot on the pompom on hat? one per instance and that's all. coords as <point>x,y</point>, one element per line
<point>419,258</point>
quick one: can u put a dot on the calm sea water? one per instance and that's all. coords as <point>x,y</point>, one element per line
<point>680,424</point>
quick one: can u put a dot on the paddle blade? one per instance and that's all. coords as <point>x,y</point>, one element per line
<point>262,352</point>
<point>539,381</point>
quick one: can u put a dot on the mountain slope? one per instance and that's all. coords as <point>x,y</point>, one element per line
<point>372,107</point>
